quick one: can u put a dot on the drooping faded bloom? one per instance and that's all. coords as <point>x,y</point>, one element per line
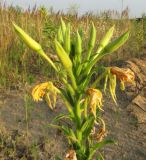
<point>39,91</point>
<point>71,155</point>
<point>44,90</point>
<point>100,133</point>
<point>95,96</point>
<point>123,74</point>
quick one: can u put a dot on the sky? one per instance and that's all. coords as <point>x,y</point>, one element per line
<point>137,7</point>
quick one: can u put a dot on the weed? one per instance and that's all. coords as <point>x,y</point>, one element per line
<point>81,97</point>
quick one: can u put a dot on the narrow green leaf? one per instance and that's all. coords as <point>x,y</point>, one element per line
<point>102,144</point>
<point>61,116</point>
<point>58,158</point>
<point>98,146</point>
<point>87,127</point>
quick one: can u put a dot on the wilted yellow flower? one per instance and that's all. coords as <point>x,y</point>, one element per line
<point>124,74</point>
<point>95,96</point>
<point>101,133</point>
<point>44,89</point>
<point>71,155</point>
<point>39,91</point>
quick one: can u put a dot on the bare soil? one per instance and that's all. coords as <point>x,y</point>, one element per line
<point>27,136</point>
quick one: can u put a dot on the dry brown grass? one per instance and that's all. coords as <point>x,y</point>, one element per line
<point>19,64</point>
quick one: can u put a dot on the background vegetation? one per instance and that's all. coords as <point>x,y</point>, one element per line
<point>19,65</point>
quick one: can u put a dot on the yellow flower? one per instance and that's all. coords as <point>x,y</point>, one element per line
<point>95,96</point>
<point>46,90</point>
<point>39,91</point>
<point>123,74</point>
<point>71,155</point>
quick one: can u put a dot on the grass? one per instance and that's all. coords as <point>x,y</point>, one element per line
<point>19,65</point>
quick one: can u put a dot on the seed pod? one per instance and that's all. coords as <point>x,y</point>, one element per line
<point>63,56</point>
<point>33,44</point>
<point>114,45</point>
<point>59,35</point>
<point>27,39</point>
<point>106,39</point>
<point>92,36</point>
<point>67,39</point>
<point>63,27</point>
<point>78,48</point>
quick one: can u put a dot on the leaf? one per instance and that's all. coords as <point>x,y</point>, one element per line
<point>61,116</point>
<point>58,158</point>
<point>101,144</point>
<point>87,127</point>
<point>100,157</point>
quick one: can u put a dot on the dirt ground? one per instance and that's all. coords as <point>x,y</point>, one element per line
<point>24,131</point>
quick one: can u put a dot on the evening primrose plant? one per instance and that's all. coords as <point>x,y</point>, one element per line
<point>82,98</point>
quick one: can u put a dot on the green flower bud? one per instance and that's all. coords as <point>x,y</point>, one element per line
<point>27,39</point>
<point>106,39</point>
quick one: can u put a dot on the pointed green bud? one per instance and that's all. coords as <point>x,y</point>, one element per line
<point>92,36</point>
<point>27,39</point>
<point>63,56</point>
<point>78,48</point>
<point>66,62</point>
<point>67,43</point>
<point>63,27</point>
<point>105,39</point>
<point>92,40</point>
<point>60,35</point>
<point>114,45</point>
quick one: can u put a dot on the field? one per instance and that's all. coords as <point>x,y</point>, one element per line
<point>24,125</point>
